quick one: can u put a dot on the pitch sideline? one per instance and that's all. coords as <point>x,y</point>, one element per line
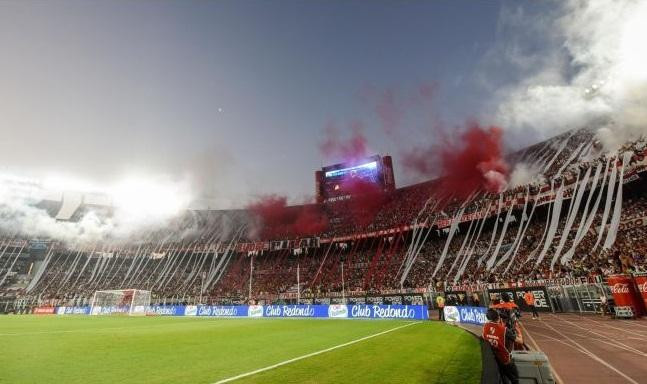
<point>289,361</point>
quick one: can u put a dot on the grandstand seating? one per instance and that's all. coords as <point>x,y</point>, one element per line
<point>196,255</point>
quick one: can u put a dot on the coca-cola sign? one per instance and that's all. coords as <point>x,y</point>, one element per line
<point>641,282</point>
<point>625,294</point>
<point>642,288</point>
<point>620,288</point>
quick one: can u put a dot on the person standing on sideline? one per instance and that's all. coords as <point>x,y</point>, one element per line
<point>603,304</point>
<point>501,340</point>
<point>509,314</point>
<point>476,301</point>
<point>529,298</point>
<point>440,304</point>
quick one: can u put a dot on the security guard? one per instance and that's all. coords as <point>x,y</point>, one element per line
<point>440,304</point>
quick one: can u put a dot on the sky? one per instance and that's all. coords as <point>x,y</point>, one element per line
<point>235,96</point>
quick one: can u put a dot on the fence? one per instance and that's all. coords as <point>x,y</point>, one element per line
<point>580,298</point>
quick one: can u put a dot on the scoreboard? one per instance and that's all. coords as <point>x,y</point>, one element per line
<point>334,181</point>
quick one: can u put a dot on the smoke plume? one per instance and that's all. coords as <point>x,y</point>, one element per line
<point>472,161</point>
<point>368,198</point>
<point>475,162</point>
<point>132,208</point>
<point>524,174</point>
<point>593,71</point>
<point>274,219</point>
<point>337,148</point>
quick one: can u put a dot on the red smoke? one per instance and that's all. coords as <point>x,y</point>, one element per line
<point>340,149</point>
<point>420,161</point>
<point>476,162</point>
<point>277,220</point>
<point>473,162</point>
<point>426,91</point>
<point>368,198</point>
<point>392,106</point>
<point>390,111</point>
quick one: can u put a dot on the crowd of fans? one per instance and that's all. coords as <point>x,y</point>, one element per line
<point>183,263</point>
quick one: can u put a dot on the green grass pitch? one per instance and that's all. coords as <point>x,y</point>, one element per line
<point>80,349</point>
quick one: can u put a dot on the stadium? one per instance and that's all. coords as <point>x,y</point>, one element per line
<point>370,281</point>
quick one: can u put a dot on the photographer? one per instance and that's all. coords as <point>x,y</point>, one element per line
<point>509,314</point>
<point>501,339</point>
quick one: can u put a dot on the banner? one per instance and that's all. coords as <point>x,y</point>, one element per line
<point>165,310</point>
<point>295,311</point>
<point>218,311</point>
<point>472,315</point>
<point>465,314</point>
<point>44,310</point>
<point>451,314</point>
<point>72,310</point>
<point>412,312</point>
<point>386,299</point>
<point>641,282</point>
<point>542,303</point>
<point>109,310</point>
<point>625,295</point>
<point>334,311</point>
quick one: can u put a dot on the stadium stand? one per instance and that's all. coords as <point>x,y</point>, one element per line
<point>211,256</point>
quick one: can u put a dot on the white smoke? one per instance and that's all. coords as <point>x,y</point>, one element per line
<point>594,72</point>
<point>136,205</point>
<point>524,174</point>
<point>495,181</point>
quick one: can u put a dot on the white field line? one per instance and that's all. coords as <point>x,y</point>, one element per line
<point>582,336</point>
<point>602,326</point>
<point>558,341</point>
<point>612,341</point>
<point>631,323</point>
<point>593,355</point>
<point>635,323</point>
<point>270,367</point>
<point>605,324</point>
<point>558,378</point>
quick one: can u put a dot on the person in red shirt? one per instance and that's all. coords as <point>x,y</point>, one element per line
<point>509,313</point>
<point>505,303</point>
<point>501,340</point>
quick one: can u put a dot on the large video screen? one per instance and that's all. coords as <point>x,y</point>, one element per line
<point>338,178</point>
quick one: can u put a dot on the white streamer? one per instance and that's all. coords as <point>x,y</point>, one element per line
<point>496,225</point>
<point>587,216</point>
<point>519,230</point>
<point>506,222</point>
<point>578,192</point>
<point>607,205</point>
<point>554,222</point>
<point>472,246</point>
<point>452,231</point>
<point>617,209</point>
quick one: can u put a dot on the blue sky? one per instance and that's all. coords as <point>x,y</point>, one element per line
<point>236,94</point>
